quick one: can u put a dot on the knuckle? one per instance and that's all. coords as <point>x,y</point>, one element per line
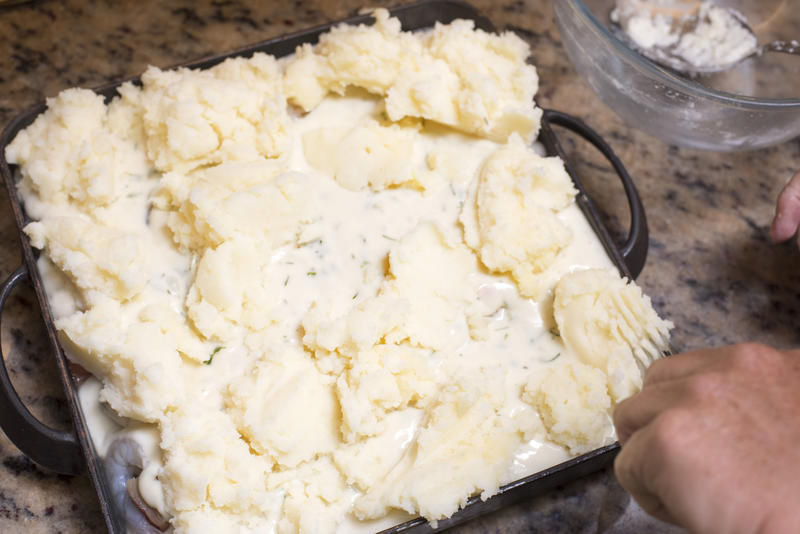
<point>753,356</point>
<point>705,386</point>
<point>668,430</point>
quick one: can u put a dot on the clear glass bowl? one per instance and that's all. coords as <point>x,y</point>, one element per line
<point>754,105</point>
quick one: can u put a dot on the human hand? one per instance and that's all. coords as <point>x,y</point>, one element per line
<point>712,442</point>
<point>787,212</point>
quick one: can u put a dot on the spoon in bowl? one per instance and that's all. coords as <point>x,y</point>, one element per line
<point>690,36</point>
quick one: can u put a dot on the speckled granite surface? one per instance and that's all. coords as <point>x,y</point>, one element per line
<point>711,267</point>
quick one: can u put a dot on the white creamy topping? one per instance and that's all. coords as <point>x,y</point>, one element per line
<point>339,264</point>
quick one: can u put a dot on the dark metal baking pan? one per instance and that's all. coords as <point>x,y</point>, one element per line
<point>74,452</point>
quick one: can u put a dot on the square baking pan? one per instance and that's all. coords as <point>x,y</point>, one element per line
<point>74,452</point>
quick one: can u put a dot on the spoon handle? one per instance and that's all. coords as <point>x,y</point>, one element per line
<point>787,47</point>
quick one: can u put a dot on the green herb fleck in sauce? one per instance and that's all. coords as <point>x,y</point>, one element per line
<point>551,360</point>
<point>211,358</point>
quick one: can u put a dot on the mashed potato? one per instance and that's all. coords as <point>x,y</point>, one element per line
<point>335,287</point>
<point>471,80</point>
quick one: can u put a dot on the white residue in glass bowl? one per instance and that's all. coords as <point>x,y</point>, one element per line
<point>686,35</point>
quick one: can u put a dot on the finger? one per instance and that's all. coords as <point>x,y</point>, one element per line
<point>634,469</point>
<point>787,211</point>
<point>660,512</point>
<point>636,412</point>
<point>680,365</point>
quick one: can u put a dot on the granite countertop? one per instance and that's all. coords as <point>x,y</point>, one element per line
<point>711,268</point>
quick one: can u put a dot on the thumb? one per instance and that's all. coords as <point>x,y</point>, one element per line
<point>787,211</point>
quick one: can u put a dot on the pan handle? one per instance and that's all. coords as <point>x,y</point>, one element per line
<point>56,450</point>
<point>634,249</point>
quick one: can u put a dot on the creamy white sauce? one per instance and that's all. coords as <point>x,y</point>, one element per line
<point>105,427</point>
<point>102,426</point>
<point>340,264</point>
